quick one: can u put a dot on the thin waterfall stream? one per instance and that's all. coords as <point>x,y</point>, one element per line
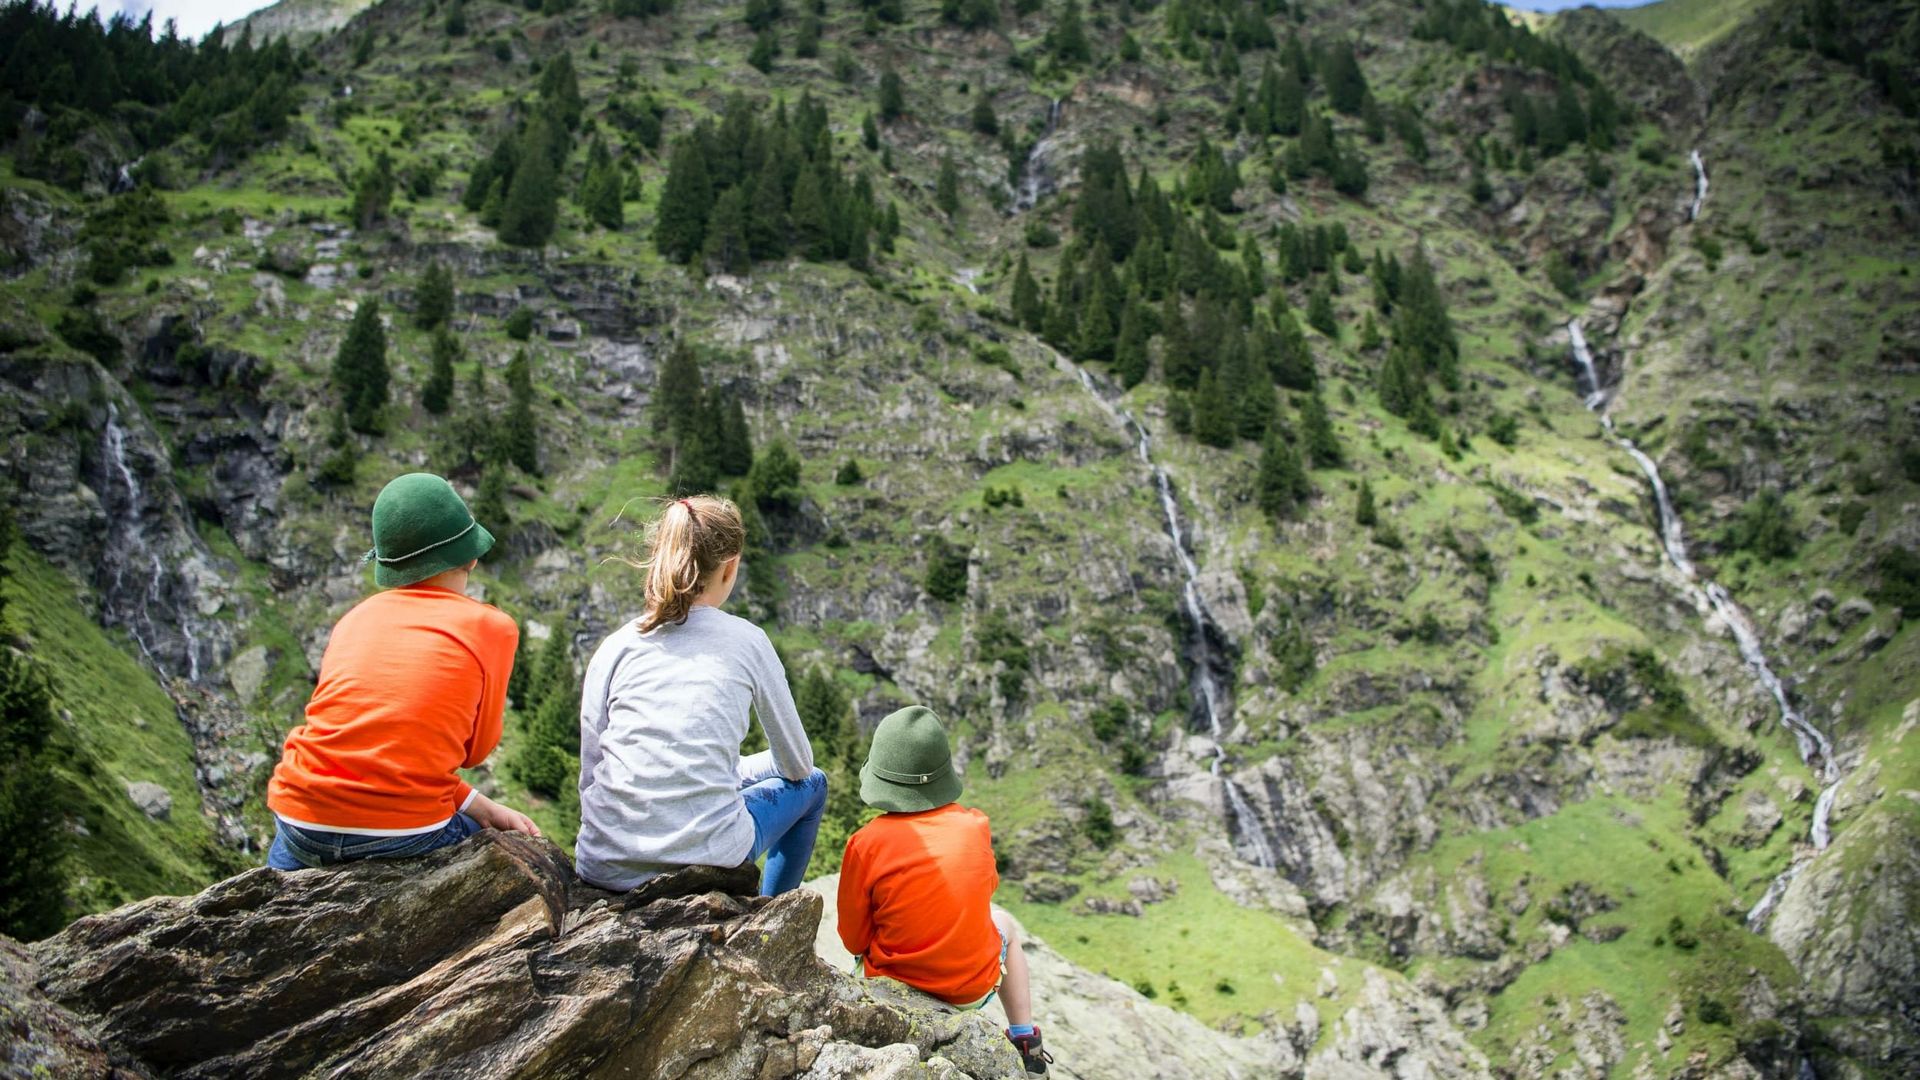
<point>1699,185</point>
<point>1209,667</point>
<point>1816,751</point>
<point>1036,180</point>
<point>133,605</point>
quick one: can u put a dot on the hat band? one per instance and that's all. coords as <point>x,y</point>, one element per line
<point>913,779</point>
<point>374,553</point>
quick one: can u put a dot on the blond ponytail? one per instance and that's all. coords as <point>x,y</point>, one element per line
<point>684,545</point>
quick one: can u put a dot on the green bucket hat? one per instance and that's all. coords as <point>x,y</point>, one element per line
<point>422,527</point>
<point>909,768</point>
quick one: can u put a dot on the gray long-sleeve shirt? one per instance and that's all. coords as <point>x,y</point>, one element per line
<point>662,716</point>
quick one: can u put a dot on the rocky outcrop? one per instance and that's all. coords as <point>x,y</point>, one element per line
<point>487,959</point>
<point>1099,1027</point>
<point>1850,922</point>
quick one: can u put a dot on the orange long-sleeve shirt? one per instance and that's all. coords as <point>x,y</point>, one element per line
<point>916,894</point>
<point>412,687</point>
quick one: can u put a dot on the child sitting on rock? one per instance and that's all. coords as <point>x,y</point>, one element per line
<point>412,688</point>
<point>663,712</point>
<point>916,885</point>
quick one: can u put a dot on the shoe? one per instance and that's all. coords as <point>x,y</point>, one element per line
<point>1032,1055</point>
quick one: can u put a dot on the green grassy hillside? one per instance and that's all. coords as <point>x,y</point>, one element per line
<point>1496,747</point>
<point>1687,26</point>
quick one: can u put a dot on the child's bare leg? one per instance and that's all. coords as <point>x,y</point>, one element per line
<point>1016,992</point>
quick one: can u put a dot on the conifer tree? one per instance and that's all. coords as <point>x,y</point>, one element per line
<point>360,368</point>
<point>1346,85</point>
<point>560,91</point>
<point>433,296</point>
<point>1214,420</point>
<point>532,205</point>
<point>680,229</point>
<point>436,394</point>
<point>546,761</point>
<point>893,95</point>
<point>1130,358</point>
<point>1094,340</point>
<point>812,215</point>
<point>1282,483</point>
<point>1068,38</point>
<point>1256,406</point>
<point>676,396</point>
<point>521,435</point>
<point>765,47</point>
<point>775,477</point>
<point>726,248</point>
<point>946,190</point>
<point>767,213</point>
<point>602,196</point>
<point>1364,514</point>
<point>1316,430</point>
<point>1028,307</point>
<point>373,194</point>
<point>736,441</point>
<point>869,132</point>
<point>1320,314</point>
<point>1370,334</point>
<point>1178,364</point>
<point>984,120</point>
<point>490,503</point>
<point>523,663</point>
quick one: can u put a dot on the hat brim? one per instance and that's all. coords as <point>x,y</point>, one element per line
<point>895,798</point>
<point>474,544</point>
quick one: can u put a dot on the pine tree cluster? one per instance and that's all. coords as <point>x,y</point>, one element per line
<point>706,428</point>
<point>747,189</point>
<point>546,759</point>
<point>516,187</point>
<point>83,71</point>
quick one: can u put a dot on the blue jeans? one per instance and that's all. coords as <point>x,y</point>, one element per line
<point>295,848</point>
<point>786,818</point>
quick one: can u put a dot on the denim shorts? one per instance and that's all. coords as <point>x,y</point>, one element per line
<point>295,848</point>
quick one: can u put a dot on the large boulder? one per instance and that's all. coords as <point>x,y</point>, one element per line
<point>487,959</point>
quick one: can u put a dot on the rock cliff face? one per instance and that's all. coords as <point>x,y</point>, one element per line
<point>488,959</point>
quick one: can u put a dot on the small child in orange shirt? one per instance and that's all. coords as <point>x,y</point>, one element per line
<point>916,885</point>
<point>412,688</point>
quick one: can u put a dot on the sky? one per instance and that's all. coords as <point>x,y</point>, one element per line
<point>196,17</point>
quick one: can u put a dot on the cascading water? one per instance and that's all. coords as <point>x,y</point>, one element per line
<point>1699,185</point>
<point>1815,749</point>
<point>1036,182</point>
<point>1210,669</point>
<point>133,607</point>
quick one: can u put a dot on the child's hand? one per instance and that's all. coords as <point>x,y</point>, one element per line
<point>494,816</point>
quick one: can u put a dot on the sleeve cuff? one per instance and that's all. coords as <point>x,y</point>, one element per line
<point>467,799</point>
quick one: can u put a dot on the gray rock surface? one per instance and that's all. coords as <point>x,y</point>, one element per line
<point>153,800</point>
<point>487,959</point>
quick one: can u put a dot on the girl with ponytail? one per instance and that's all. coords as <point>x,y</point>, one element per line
<point>663,712</point>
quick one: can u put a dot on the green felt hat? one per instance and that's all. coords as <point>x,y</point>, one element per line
<point>422,527</point>
<point>909,768</point>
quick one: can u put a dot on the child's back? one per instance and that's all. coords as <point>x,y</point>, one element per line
<point>664,713</point>
<point>935,867</point>
<point>917,882</point>
<point>411,687</point>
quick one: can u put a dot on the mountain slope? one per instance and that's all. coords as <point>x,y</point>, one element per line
<point>1492,740</point>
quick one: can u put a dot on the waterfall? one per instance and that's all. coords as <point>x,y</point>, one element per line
<point>1035,182</point>
<point>1816,751</point>
<point>133,606</point>
<point>1206,681</point>
<point>1699,185</point>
